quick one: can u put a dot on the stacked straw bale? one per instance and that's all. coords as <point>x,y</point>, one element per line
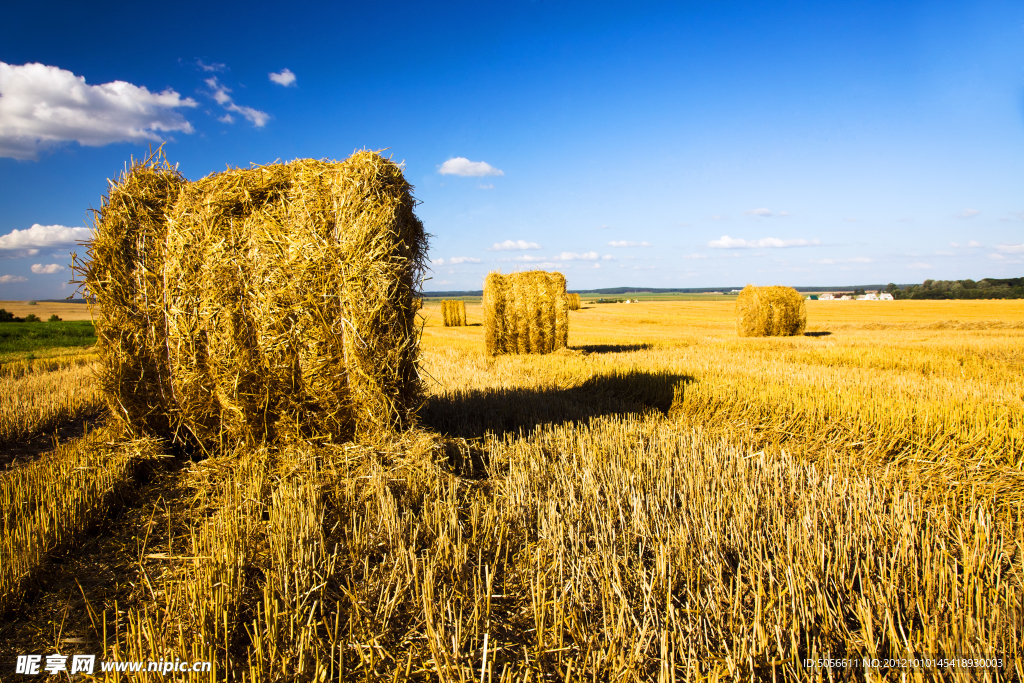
<point>770,312</point>
<point>574,301</point>
<point>454,313</point>
<point>525,313</point>
<point>262,303</point>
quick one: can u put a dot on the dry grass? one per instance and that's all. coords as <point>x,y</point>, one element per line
<point>44,309</point>
<point>661,501</point>
<point>34,400</point>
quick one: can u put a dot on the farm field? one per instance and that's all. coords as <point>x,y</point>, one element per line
<point>661,501</point>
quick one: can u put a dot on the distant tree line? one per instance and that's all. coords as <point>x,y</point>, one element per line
<point>989,288</point>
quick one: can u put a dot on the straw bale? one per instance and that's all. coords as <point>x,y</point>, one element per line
<point>454,313</point>
<point>124,273</point>
<point>770,312</point>
<point>525,312</point>
<point>287,303</point>
<point>573,301</point>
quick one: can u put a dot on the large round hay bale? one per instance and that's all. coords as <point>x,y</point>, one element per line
<point>525,312</point>
<point>287,300</point>
<point>770,312</point>
<point>453,312</point>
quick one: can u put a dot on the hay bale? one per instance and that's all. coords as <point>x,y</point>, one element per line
<point>573,301</point>
<point>525,312</point>
<point>282,306</point>
<point>770,312</point>
<point>454,313</point>
<point>123,271</point>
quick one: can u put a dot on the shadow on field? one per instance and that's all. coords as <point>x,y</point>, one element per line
<point>611,348</point>
<point>471,414</point>
<point>817,334</point>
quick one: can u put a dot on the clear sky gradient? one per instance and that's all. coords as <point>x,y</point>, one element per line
<point>684,144</point>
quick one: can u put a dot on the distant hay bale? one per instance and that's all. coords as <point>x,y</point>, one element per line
<point>260,303</point>
<point>770,312</point>
<point>574,301</point>
<point>454,313</point>
<point>525,313</point>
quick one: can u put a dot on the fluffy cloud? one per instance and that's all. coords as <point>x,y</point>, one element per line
<point>211,68</point>
<point>726,242</point>
<point>970,245</point>
<point>42,106</point>
<point>619,244</point>
<point>513,245</point>
<point>49,269</point>
<point>464,167</point>
<point>968,213</point>
<point>4,279</point>
<point>455,260</point>
<point>762,213</point>
<point>1011,248</point>
<point>28,242</point>
<point>219,93</point>
<point>572,256</point>
<point>283,77</point>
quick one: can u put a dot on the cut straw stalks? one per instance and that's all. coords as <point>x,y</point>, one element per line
<point>574,301</point>
<point>261,303</point>
<point>525,313</point>
<point>770,312</point>
<point>454,313</point>
<point>49,502</point>
<point>37,402</point>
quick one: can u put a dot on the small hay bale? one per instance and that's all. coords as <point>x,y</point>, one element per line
<point>574,301</point>
<point>770,312</point>
<point>525,313</point>
<point>280,300</point>
<point>454,313</point>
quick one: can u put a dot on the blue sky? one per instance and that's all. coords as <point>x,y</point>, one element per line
<point>684,144</point>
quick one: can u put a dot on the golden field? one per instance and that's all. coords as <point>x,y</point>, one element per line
<point>44,309</point>
<point>661,501</point>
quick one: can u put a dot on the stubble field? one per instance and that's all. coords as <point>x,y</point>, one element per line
<point>661,501</point>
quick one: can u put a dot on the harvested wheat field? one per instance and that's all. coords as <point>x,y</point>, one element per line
<point>662,500</point>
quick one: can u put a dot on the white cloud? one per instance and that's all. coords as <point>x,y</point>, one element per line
<point>763,213</point>
<point>783,213</point>
<point>4,279</point>
<point>488,186</point>
<point>283,77</point>
<point>968,213</point>
<point>464,167</point>
<point>607,257</point>
<point>830,261</point>
<point>1005,248</point>
<point>572,256</point>
<point>972,243</point>
<point>726,242</point>
<point>437,261</point>
<point>215,66</point>
<point>37,236</point>
<point>463,259</point>
<point>716,217</point>
<point>526,258</point>
<point>42,106</point>
<point>220,95</point>
<point>513,245</point>
<point>625,243</point>
<point>49,269</point>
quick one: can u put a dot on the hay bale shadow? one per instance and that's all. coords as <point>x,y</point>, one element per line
<point>472,414</point>
<point>817,334</point>
<point>612,348</point>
